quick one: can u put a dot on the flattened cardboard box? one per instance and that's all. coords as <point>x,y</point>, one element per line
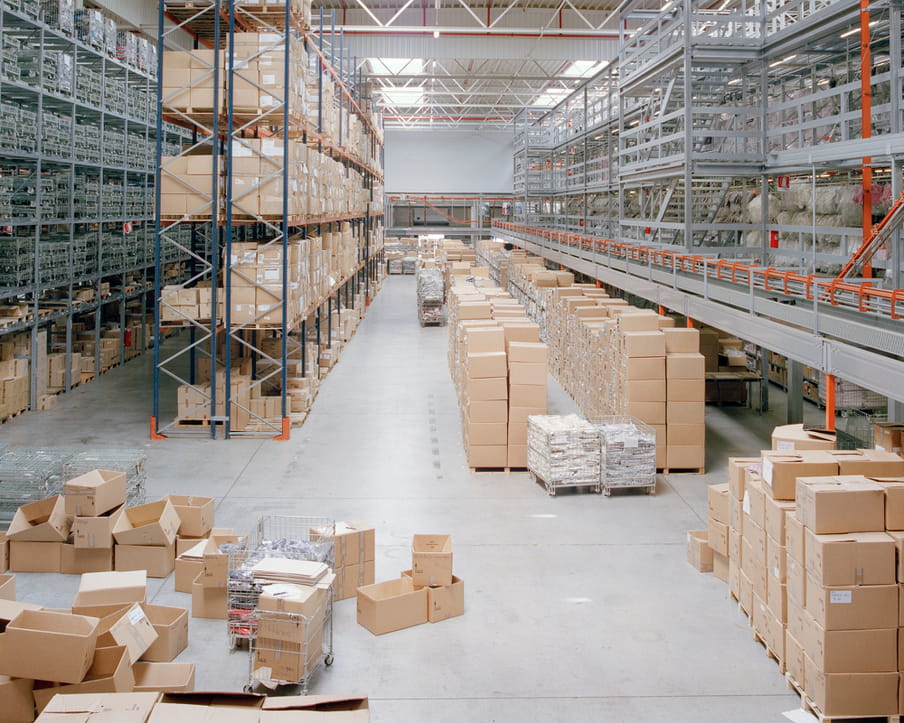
<point>320,708</point>
<point>121,707</point>
<point>48,646</point>
<point>95,493</point>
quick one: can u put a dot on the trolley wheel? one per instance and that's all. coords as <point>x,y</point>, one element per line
<point>249,688</point>
<point>328,660</point>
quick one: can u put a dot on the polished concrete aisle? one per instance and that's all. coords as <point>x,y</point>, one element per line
<point>579,607</point>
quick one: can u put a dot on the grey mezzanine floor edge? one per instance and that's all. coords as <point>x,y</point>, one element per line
<point>578,608</point>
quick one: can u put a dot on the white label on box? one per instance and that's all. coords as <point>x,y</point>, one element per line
<point>840,597</point>
<point>268,79</point>
<point>775,573</point>
<point>784,445</point>
<point>136,615</point>
<point>272,274</point>
<point>767,470</point>
<point>745,505</point>
<point>880,447</point>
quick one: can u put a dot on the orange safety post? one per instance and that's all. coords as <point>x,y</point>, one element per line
<point>154,433</point>
<point>830,401</point>
<point>286,427</point>
<point>599,284</point>
<point>690,323</point>
<point>661,310</point>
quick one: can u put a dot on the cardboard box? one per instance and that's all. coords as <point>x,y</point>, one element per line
<point>431,560</point>
<point>688,457</point>
<point>171,626</point>
<point>486,365</point>
<point>736,474</point>
<point>158,561</point>
<point>840,504</point>
<point>196,514</point>
<point>643,343</point>
<point>894,502</point>
<point>685,366</point>
<point>279,660</point>
<point>391,605</point>
<point>95,492</point>
<point>325,708</point>
<point>7,587</point>
<point>852,694</point>
<point>796,577</point>
<point>528,374</point>
<point>351,577</point>
<point>484,339</point>
<point>682,341</point>
<point>110,672</point>
<point>486,434</point>
<point>164,677</point>
<point>781,470</point>
<point>794,658</point>
<point>130,627</point>
<point>852,651</point>
<point>41,521</point>
<point>208,602</point>
<point>45,645</point>
<point>487,455</point>
<point>478,390</point>
<point>793,437</point>
<point>717,537</point>
<point>487,412</point>
<point>685,390</point>
<point>4,552</point>
<point>646,390</point>
<point>520,352</point>
<point>34,556</point>
<point>795,537</point>
<point>720,567</point>
<point>857,607</point>
<point>16,700</point>
<point>653,413</point>
<point>155,523</point>
<point>187,571</point>
<point>864,558</point>
<point>887,436</point>
<point>775,513</point>
<point>699,553</point>
<point>717,502</point>
<point>754,501</point>
<point>91,707</point>
<point>76,561</point>
<point>101,589</point>
<point>527,395</point>
<point>216,563</point>
<point>95,532</point>
<point>872,462</point>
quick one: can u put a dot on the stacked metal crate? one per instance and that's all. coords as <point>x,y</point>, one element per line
<point>563,451</point>
<point>628,454</point>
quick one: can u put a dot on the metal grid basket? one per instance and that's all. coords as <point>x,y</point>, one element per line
<point>563,451</point>
<point>627,454</point>
<point>290,647</point>
<point>293,538</point>
<point>28,474</point>
<point>131,462</point>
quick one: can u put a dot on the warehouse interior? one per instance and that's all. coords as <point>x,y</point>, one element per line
<point>300,302</point>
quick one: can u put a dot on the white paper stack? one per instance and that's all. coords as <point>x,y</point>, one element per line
<point>298,572</point>
<point>563,451</point>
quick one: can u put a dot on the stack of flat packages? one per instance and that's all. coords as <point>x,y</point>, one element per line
<point>563,451</point>
<point>627,454</point>
<point>298,572</point>
<point>430,293</point>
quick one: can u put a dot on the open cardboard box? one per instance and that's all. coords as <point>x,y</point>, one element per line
<point>95,493</point>
<point>164,677</point>
<point>129,627</point>
<point>105,589</point>
<point>45,645</point>
<point>101,707</point>
<point>196,514</point>
<point>157,560</point>
<point>16,699</point>
<point>110,672</point>
<point>171,626</point>
<point>155,523</point>
<point>95,532</point>
<point>41,521</point>
<point>431,560</point>
<point>7,586</point>
<point>391,605</point>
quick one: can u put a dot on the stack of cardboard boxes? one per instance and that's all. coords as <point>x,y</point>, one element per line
<point>814,540</point>
<point>499,369</point>
<point>427,592</point>
<point>110,641</point>
<point>355,558</point>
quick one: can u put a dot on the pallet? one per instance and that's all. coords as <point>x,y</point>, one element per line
<point>477,470</point>
<point>551,490</point>
<point>646,489</point>
<point>680,470</point>
<point>13,415</point>
<point>770,653</point>
<point>193,423</point>
<point>807,704</point>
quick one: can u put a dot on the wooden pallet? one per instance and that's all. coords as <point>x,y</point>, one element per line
<point>13,415</point>
<point>193,423</point>
<point>770,653</point>
<point>476,470</point>
<point>681,470</point>
<point>807,704</point>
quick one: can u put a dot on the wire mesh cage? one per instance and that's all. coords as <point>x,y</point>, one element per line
<point>293,538</point>
<point>563,451</point>
<point>289,647</point>
<point>627,453</point>
<point>131,462</point>
<point>28,474</point>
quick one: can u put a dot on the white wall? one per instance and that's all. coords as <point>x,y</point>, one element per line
<point>448,161</point>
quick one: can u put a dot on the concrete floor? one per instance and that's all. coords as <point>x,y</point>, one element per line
<point>579,607</point>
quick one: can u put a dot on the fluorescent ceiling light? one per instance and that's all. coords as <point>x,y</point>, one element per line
<point>395,66</point>
<point>854,31</point>
<point>551,96</point>
<point>584,68</point>
<point>399,96</point>
<point>783,60</point>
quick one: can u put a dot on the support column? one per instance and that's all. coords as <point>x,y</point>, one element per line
<point>795,392</point>
<point>764,379</point>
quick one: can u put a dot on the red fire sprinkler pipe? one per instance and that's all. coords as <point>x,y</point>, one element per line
<point>866,127</point>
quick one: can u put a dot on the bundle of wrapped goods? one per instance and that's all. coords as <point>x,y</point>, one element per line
<point>628,454</point>
<point>563,451</point>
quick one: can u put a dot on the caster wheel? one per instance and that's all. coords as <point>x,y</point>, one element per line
<point>249,689</point>
<point>328,660</point>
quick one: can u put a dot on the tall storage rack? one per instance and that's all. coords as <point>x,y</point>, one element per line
<point>250,215</point>
<point>77,139</point>
<point>754,141</point>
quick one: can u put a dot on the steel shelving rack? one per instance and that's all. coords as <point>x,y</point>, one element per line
<point>225,214</point>
<point>753,141</point>
<point>76,151</point>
